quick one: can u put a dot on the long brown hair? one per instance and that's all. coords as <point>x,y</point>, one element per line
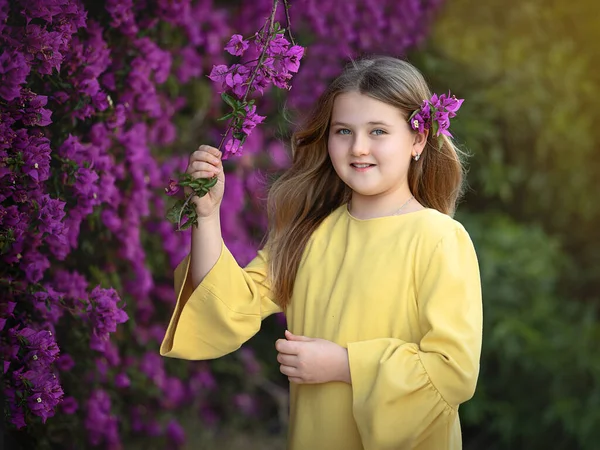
<point>310,189</point>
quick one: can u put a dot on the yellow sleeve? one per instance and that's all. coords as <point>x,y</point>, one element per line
<point>222,313</point>
<point>402,390</point>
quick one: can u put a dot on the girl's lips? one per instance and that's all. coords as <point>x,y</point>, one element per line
<point>362,167</point>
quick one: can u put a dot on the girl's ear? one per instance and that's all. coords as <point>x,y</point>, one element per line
<point>419,142</point>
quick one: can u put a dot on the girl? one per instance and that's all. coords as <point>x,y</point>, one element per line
<point>380,286</point>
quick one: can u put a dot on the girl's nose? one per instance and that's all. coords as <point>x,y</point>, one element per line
<point>360,146</point>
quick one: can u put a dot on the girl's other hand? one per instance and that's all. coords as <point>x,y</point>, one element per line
<point>308,360</point>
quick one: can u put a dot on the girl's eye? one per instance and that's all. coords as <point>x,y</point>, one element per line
<point>378,132</point>
<point>343,131</point>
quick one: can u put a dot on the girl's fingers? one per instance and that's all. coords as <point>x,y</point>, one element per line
<point>202,174</point>
<point>202,165</point>
<point>205,157</point>
<point>210,149</point>
<point>206,151</point>
<point>288,370</point>
<point>296,380</point>
<point>287,360</point>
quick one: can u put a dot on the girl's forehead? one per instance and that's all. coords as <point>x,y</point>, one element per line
<point>351,107</point>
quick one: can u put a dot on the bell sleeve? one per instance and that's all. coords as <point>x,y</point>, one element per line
<point>403,390</point>
<point>222,313</point>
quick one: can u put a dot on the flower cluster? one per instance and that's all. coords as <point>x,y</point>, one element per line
<point>435,114</point>
<point>273,60</point>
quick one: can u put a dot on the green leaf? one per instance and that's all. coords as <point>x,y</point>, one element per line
<point>225,117</point>
<point>212,182</point>
<point>230,100</point>
<point>187,225</point>
<point>173,213</point>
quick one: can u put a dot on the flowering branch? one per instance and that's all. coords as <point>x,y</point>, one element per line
<point>275,65</point>
<point>289,23</point>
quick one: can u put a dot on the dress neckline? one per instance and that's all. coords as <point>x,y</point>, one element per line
<point>392,217</point>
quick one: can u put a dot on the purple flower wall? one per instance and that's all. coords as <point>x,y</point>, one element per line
<point>100,104</point>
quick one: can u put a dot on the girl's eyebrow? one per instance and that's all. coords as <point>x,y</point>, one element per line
<point>333,124</point>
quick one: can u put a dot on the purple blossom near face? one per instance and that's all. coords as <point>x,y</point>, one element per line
<point>443,107</point>
<point>13,73</point>
<point>418,123</point>
<point>237,45</point>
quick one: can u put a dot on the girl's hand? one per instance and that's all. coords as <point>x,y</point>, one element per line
<point>206,163</point>
<point>307,360</point>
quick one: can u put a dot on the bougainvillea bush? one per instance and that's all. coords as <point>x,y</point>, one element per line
<point>100,105</point>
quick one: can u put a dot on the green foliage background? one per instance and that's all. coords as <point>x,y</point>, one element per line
<point>529,74</point>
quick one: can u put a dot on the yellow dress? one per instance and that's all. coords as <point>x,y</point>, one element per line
<point>402,293</point>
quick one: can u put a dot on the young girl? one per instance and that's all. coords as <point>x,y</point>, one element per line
<point>380,286</point>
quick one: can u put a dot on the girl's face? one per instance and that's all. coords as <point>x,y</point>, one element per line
<point>371,145</point>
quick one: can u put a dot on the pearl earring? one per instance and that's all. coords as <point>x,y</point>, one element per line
<point>417,156</point>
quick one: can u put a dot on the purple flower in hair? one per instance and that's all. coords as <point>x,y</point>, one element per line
<point>435,114</point>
